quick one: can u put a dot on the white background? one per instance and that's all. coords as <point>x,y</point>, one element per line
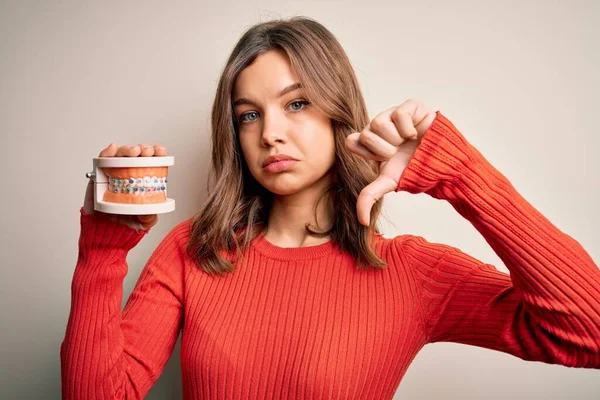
<point>518,78</point>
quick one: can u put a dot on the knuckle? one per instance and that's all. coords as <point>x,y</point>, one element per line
<point>397,114</point>
<point>365,137</point>
<point>377,124</point>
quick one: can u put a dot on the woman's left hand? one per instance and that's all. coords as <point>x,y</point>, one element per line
<point>391,139</point>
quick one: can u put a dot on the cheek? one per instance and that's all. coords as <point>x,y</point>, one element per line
<point>321,148</point>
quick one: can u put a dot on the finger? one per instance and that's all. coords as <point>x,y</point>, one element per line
<point>146,150</point>
<point>425,123</point>
<point>160,150</point>
<point>109,151</point>
<point>129,151</point>
<point>393,168</point>
<point>354,146</point>
<point>369,195</point>
<point>417,113</point>
<point>383,126</point>
<point>376,144</point>
<point>402,119</point>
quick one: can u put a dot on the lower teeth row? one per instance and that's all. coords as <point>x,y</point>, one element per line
<point>137,190</point>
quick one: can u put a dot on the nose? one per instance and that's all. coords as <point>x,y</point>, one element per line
<point>274,128</point>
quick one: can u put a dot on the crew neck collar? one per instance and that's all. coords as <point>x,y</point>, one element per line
<point>270,250</point>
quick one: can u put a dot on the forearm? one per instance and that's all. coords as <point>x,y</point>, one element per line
<point>93,344</point>
<point>557,281</point>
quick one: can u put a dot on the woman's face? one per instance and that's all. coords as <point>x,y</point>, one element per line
<point>275,119</point>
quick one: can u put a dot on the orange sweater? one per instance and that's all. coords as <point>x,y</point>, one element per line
<point>295,323</point>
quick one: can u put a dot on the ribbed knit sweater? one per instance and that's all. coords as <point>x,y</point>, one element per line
<point>299,323</point>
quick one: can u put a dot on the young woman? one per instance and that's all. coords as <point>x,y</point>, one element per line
<point>282,286</point>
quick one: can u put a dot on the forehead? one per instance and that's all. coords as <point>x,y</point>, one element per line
<point>266,76</point>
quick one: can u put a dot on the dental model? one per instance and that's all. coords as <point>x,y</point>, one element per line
<point>131,185</point>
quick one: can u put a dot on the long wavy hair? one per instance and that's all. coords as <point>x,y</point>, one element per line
<point>237,207</point>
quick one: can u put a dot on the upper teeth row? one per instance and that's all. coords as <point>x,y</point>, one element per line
<point>147,181</point>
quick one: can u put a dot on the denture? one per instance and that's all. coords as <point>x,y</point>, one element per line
<point>136,185</point>
<point>132,185</point>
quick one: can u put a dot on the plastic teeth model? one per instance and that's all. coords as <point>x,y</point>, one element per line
<point>132,185</point>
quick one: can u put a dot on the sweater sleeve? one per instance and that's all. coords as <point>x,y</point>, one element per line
<point>547,309</point>
<point>107,353</point>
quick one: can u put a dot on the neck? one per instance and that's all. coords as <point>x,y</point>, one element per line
<point>290,214</point>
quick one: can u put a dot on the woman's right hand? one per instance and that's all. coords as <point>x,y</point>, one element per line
<point>135,221</point>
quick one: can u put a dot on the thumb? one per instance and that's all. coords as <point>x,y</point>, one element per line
<point>370,194</point>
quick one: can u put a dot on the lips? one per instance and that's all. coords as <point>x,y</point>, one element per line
<point>277,158</point>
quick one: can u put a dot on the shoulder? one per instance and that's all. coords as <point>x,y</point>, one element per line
<point>421,253</point>
<point>390,248</point>
<point>397,242</point>
<point>180,232</point>
<point>408,248</point>
<point>175,241</point>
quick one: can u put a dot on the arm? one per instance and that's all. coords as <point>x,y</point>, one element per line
<point>547,309</point>
<point>106,352</point>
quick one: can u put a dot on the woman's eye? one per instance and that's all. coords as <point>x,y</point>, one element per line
<point>301,103</point>
<point>253,115</point>
<point>243,118</point>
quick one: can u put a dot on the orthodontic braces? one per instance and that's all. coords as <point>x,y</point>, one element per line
<point>137,186</point>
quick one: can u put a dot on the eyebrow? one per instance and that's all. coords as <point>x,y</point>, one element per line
<point>291,88</point>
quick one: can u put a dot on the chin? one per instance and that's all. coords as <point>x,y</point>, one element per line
<point>285,185</point>
<point>282,188</point>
